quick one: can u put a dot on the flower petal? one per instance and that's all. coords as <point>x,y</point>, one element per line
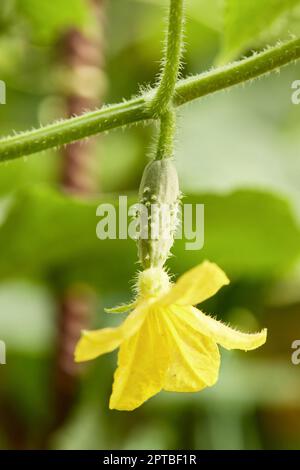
<point>94,343</point>
<point>195,358</point>
<point>196,285</point>
<point>227,337</point>
<point>142,364</point>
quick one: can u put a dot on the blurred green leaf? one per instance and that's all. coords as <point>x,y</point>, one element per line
<point>208,13</point>
<point>84,430</point>
<point>247,138</point>
<point>153,436</point>
<point>25,380</point>
<point>27,319</point>
<point>245,20</point>
<point>249,233</point>
<point>243,383</point>
<point>53,232</point>
<point>49,19</point>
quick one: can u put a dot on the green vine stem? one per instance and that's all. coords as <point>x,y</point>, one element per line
<point>161,105</point>
<point>138,109</point>
<point>165,142</point>
<point>171,60</point>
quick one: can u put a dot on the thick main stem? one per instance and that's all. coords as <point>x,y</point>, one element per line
<point>138,109</point>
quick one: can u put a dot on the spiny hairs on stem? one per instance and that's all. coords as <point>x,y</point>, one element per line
<point>162,104</point>
<point>165,141</point>
<point>173,48</point>
<point>139,110</point>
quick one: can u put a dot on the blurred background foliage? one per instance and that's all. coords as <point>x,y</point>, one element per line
<point>238,153</point>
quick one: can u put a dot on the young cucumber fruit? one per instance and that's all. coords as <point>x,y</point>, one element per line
<point>158,212</point>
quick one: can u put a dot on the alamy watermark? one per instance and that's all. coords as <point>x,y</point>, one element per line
<point>295,357</point>
<point>296,93</point>
<point>157,221</point>
<point>2,353</point>
<point>2,92</point>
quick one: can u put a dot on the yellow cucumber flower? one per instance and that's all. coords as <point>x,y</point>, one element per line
<point>166,343</point>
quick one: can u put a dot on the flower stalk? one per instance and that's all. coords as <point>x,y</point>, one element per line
<point>159,190</point>
<point>165,142</point>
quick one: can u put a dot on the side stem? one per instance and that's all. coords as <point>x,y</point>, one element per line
<point>139,109</point>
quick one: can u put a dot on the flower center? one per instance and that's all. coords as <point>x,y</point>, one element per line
<point>153,282</point>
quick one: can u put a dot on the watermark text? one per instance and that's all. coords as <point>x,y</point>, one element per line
<point>2,353</point>
<point>2,92</point>
<point>139,221</point>
<point>296,94</point>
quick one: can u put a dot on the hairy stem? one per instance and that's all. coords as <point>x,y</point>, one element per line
<point>171,60</point>
<point>238,72</point>
<point>165,142</point>
<point>138,109</point>
<point>73,129</point>
<point>162,102</point>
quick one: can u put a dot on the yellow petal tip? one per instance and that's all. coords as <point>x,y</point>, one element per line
<point>258,340</point>
<point>217,272</point>
<point>250,341</point>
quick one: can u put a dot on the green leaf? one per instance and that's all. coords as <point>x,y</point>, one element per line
<point>246,139</point>
<point>23,303</point>
<point>49,19</point>
<point>243,383</point>
<point>25,380</point>
<point>245,20</point>
<point>54,234</point>
<point>84,430</point>
<point>249,233</point>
